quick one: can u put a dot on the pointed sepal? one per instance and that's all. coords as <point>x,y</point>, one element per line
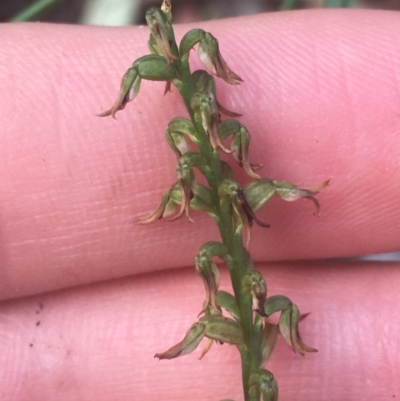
<point>214,327</point>
<point>190,342</point>
<point>151,67</point>
<point>202,200</point>
<point>268,336</point>
<point>258,193</point>
<point>228,302</point>
<point>167,206</point>
<point>290,192</point>
<point>130,86</point>
<point>223,329</point>
<point>289,329</point>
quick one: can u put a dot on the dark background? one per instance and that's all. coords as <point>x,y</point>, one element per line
<point>124,12</point>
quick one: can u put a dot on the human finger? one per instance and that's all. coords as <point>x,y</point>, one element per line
<point>98,341</point>
<point>319,99</point>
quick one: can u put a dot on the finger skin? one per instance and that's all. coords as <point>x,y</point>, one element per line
<point>320,98</point>
<point>97,342</point>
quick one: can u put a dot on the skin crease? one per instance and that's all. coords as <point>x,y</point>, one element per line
<point>321,99</point>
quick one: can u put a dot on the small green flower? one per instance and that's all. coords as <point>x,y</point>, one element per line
<point>130,86</point>
<point>205,107</point>
<point>160,29</point>
<point>190,342</point>
<point>168,206</point>
<point>209,54</point>
<point>185,182</point>
<point>289,329</point>
<point>206,83</point>
<point>211,57</point>
<point>151,67</point>
<point>240,145</point>
<point>214,327</point>
<point>178,128</point>
<point>209,273</point>
<point>258,193</point>
<point>243,216</point>
<point>253,283</point>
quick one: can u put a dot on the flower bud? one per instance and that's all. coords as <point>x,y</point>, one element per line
<point>253,283</point>
<point>263,385</point>
<point>161,31</point>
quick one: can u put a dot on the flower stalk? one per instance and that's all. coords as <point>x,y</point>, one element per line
<point>242,318</point>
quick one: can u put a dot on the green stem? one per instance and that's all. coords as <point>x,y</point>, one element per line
<point>237,262</point>
<point>339,3</point>
<point>35,10</point>
<point>289,4</point>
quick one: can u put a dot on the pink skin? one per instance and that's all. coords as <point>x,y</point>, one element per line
<point>321,99</point>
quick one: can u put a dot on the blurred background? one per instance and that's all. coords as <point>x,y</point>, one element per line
<point>128,12</point>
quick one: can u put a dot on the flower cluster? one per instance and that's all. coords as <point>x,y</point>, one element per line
<point>242,318</point>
